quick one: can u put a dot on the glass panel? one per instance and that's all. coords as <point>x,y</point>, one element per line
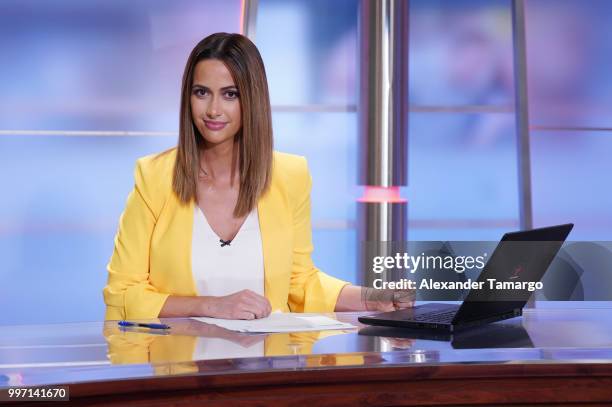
<point>314,60</point>
<point>461,52</point>
<point>329,142</point>
<point>335,251</point>
<point>570,182</point>
<point>569,62</point>
<point>100,65</point>
<point>58,222</point>
<point>462,174</point>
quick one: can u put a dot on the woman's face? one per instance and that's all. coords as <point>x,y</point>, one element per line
<point>215,104</point>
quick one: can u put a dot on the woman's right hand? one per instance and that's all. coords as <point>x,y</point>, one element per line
<point>244,304</point>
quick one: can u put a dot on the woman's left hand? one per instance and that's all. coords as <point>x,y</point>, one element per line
<point>356,298</point>
<point>388,300</point>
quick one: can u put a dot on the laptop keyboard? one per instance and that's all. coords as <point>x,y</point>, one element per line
<point>436,316</point>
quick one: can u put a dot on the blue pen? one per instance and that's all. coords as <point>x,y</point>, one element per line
<point>144,325</point>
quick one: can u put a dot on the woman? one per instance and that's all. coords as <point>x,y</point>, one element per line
<point>220,225</point>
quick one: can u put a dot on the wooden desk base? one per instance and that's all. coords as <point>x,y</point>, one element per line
<point>437,385</point>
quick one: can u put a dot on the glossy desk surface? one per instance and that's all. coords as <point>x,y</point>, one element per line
<point>100,351</point>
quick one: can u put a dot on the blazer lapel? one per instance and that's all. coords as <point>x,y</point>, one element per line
<point>275,228</point>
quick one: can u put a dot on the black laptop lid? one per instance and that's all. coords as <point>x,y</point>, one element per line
<point>520,256</point>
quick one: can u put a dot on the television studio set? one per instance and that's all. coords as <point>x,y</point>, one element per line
<point>306,202</point>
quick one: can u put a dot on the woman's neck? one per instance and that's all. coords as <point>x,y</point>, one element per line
<point>220,162</point>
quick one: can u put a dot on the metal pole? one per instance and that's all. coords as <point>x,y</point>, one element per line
<point>522,114</point>
<point>522,120</point>
<point>383,124</point>
<point>383,103</point>
<point>248,18</point>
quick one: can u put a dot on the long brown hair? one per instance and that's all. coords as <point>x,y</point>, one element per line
<point>244,62</point>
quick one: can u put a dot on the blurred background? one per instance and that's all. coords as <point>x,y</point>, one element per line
<point>88,87</point>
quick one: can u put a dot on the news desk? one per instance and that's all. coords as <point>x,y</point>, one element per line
<point>551,356</point>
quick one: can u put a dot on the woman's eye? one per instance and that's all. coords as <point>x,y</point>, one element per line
<point>231,94</point>
<point>199,92</point>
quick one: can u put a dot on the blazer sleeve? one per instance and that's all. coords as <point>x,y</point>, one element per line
<point>310,290</point>
<point>129,293</point>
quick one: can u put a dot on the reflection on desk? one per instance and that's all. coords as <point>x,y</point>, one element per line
<point>103,353</point>
<point>191,340</point>
<point>499,335</point>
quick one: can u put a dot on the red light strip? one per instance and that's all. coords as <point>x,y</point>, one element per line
<point>375,194</point>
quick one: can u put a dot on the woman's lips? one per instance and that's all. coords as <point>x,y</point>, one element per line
<point>210,125</point>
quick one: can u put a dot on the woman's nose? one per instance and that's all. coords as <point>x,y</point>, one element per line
<point>213,109</point>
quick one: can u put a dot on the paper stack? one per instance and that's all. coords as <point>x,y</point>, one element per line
<point>279,322</point>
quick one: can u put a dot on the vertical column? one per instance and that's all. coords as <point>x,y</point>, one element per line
<point>248,18</point>
<point>522,119</point>
<point>522,114</point>
<point>383,116</point>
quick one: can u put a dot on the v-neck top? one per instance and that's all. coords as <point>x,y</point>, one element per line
<point>222,269</point>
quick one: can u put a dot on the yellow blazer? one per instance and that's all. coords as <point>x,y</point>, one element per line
<point>152,255</point>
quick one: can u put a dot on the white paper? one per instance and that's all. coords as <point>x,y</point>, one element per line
<point>278,322</point>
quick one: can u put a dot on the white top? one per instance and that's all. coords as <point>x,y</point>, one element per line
<point>222,270</point>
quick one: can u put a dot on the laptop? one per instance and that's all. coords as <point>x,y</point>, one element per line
<point>522,256</point>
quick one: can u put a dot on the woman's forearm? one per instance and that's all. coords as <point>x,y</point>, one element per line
<point>350,299</point>
<point>244,304</point>
<point>177,306</point>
